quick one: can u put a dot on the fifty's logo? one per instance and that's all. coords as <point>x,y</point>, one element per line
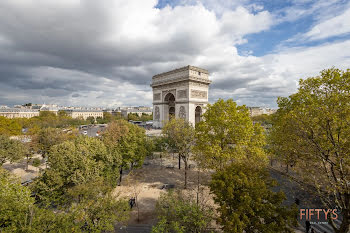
<point>310,214</point>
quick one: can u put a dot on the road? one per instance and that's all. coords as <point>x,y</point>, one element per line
<point>307,200</point>
<point>91,131</point>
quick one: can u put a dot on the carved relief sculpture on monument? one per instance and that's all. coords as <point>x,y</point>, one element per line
<point>182,112</point>
<point>182,94</point>
<point>156,113</point>
<point>156,96</point>
<point>198,94</point>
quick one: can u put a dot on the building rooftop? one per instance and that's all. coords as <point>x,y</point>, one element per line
<point>18,110</point>
<point>138,110</point>
<point>187,73</point>
<point>182,69</point>
<point>82,110</point>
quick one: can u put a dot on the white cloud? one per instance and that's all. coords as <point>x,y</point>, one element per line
<point>336,26</point>
<point>105,53</point>
<point>242,22</point>
<point>316,9</point>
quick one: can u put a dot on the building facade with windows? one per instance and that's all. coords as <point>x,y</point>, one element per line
<point>84,113</point>
<point>18,112</point>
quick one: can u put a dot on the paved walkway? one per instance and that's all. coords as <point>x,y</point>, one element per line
<point>308,200</point>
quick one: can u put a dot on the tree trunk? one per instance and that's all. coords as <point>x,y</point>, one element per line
<point>161,159</point>
<point>198,187</point>
<point>186,167</point>
<point>138,210</point>
<point>27,162</point>
<point>120,175</point>
<point>179,162</point>
<point>46,159</point>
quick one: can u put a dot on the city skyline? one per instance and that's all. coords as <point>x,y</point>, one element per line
<point>89,53</point>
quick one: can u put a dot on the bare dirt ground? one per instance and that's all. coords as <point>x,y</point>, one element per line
<point>146,183</point>
<point>19,168</point>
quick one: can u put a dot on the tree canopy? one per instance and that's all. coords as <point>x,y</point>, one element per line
<point>94,209</point>
<point>72,163</point>
<point>11,150</point>
<point>18,212</point>
<point>45,138</point>
<point>180,135</point>
<point>311,131</point>
<point>9,127</point>
<point>126,143</point>
<point>180,213</point>
<point>227,133</point>
<point>246,202</point>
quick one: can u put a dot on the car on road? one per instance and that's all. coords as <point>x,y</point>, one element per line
<point>83,127</point>
<point>167,186</point>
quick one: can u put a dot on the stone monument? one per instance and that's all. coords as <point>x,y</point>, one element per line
<point>180,93</point>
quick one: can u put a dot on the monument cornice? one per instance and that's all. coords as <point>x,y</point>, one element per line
<point>181,79</point>
<point>182,102</point>
<point>185,68</point>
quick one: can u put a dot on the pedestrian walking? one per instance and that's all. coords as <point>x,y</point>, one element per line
<point>307,226</point>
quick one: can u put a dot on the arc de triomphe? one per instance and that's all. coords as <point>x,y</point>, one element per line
<point>180,93</point>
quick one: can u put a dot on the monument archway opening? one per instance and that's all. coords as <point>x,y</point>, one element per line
<point>170,102</point>
<point>198,114</point>
<point>171,113</point>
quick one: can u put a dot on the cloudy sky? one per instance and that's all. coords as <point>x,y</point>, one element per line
<point>104,53</point>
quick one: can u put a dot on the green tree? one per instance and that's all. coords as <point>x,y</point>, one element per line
<point>181,134</point>
<point>18,213</point>
<point>263,119</point>
<point>150,146</point>
<point>112,137</point>
<point>71,163</point>
<point>227,134</point>
<point>95,211</point>
<point>14,203</point>
<point>161,144</point>
<point>145,117</point>
<point>77,182</point>
<point>62,114</point>
<point>48,119</point>
<point>36,162</point>
<point>95,208</point>
<point>100,120</point>
<point>133,117</point>
<point>9,127</point>
<point>118,116</point>
<point>311,131</point>
<point>45,138</point>
<point>180,213</point>
<point>90,120</point>
<point>127,140</point>
<point>11,150</point>
<point>47,114</point>
<point>246,203</point>
<point>107,117</point>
